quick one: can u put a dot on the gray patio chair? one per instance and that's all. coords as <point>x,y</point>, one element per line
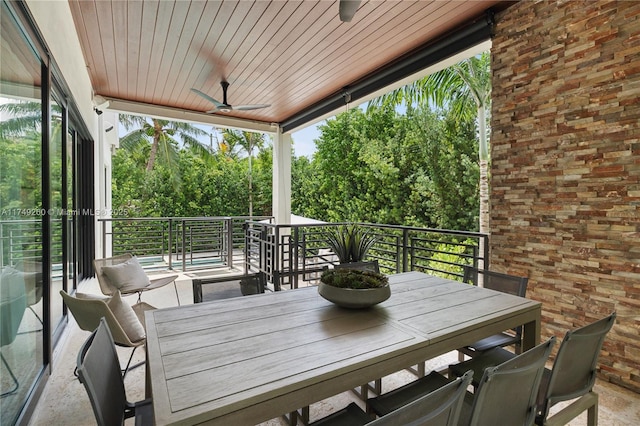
<point>506,394</point>
<point>504,283</point>
<point>224,287</point>
<point>573,375</point>
<point>126,325</point>
<point>574,371</point>
<point>125,274</point>
<point>440,407</point>
<point>32,273</point>
<point>99,371</point>
<point>13,304</point>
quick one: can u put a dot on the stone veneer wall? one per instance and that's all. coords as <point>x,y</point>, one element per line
<point>565,174</point>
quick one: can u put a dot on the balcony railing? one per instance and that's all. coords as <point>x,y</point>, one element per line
<point>293,255</point>
<point>21,241</point>
<point>183,243</point>
<point>289,256</point>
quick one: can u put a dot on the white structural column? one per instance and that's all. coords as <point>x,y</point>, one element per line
<point>282,177</point>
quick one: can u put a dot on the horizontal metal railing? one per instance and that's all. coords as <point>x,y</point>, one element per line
<point>290,255</point>
<point>183,243</point>
<point>21,241</point>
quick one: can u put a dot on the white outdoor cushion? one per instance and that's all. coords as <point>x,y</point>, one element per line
<point>126,317</point>
<point>127,276</point>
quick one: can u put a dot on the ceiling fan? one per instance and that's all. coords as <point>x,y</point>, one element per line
<point>224,106</point>
<point>348,8</point>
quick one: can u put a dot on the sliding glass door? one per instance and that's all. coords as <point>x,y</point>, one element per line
<point>22,280</point>
<point>42,153</point>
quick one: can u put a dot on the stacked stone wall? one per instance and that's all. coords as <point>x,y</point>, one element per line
<point>565,172</point>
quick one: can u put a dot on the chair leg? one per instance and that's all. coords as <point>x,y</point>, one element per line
<point>16,384</point>
<point>592,414</point>
<point>128,368</point>
<point>588,402</point>
<point>39,320</point>
<point>175,286</point>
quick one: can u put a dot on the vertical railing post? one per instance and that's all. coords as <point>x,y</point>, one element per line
<point>170,244</point>
<point>485,260</point>
<point>191,226</point>
<point>245,229</point>
<point>295,254</point>
<point>162,239</point>
<point>104,237</point>
<point>276,258</point>
<point>184,245</point>
<point>229,238</point>
<point>405,253</point>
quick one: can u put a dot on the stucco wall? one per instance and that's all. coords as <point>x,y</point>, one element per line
<point>565,185</point>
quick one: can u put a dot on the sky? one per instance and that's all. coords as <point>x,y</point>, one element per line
<point>303,141</point>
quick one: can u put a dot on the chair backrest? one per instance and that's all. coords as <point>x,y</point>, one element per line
<point>504,283</point>
<point>99,372</point>
<point>88,313</point>
<point>509,390</point>
<point>13,303</point>
<point>213,288</point>
<point>574,369</point>
<point>372,265</point>
<point>438,408</point>
<point>32,272</point>
<point>105,284</point>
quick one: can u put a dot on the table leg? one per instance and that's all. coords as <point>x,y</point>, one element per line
<point>531,334</point>
<point>147,376</point>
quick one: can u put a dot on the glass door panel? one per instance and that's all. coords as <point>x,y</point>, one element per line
<point>55,213</point>
<point>21,219</point>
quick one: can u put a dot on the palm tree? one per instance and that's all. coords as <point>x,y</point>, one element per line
<point>161,135</point>
<point>466,88</point>
<point>234,140</point>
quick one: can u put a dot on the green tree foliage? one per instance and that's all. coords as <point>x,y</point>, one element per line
<point>161,139</point>
<point>416,169</point>
<point>212,186</point>
<point>235,140</point>
<point>465,88</point>
<point>379,166</point>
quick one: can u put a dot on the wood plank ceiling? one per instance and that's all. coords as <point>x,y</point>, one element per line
<point>289,54</point>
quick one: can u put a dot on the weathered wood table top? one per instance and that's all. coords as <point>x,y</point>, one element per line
<point>246,360</point>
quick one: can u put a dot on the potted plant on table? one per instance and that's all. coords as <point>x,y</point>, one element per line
<point>354,288</point>
<point>356,284</point>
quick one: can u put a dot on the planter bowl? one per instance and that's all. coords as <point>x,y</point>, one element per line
<point>354,298</point>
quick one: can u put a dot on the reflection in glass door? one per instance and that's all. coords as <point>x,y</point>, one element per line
<point>21,218</point>
<point>70,213</point>
<point>55,213</point>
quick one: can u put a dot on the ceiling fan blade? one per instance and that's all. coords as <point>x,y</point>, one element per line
<point>209,98</point>
<point>250,107</point>
<point>348,8</point>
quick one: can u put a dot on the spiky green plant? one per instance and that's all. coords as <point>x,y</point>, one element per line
<point>350,242</point>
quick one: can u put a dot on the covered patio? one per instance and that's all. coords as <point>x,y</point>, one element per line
<point>618,406</point>
<point>565,175</point>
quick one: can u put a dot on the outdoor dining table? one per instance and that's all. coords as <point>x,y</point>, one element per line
<point>246,360</point>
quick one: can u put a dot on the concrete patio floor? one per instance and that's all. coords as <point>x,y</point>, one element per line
<point>65,402</point>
